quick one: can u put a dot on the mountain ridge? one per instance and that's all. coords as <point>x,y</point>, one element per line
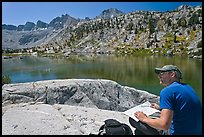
<point>176,31</point>
<point>112,12</point>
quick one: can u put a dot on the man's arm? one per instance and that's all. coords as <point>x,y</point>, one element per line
<point>162,123</point>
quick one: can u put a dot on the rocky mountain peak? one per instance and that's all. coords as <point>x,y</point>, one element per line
<point>41,24</point>
<point>110,13</point>
<point>29,26</point>
<point>184,7</point>
<point>60,22</point>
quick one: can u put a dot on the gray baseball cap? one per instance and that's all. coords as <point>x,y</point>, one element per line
<point>169,68</point>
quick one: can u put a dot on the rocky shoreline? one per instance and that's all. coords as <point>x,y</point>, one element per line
<point>66,106</point>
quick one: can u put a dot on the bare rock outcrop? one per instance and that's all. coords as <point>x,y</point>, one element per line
<point>69,106</point>
<point>57,119</point>
<point>99,93</point>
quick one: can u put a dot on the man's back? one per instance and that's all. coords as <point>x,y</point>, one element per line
<point>187,108</point>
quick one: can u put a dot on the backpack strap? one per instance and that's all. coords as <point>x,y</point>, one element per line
<point>101,130</point>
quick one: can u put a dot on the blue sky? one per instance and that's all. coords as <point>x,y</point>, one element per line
<point>18,13</point>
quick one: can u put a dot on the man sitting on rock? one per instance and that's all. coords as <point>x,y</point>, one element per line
<point>181,109</point>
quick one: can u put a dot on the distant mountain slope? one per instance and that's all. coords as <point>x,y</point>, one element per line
<point>176,31</point>
<point>31,34</point>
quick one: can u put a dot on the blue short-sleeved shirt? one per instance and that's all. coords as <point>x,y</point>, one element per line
<point>187,108</point>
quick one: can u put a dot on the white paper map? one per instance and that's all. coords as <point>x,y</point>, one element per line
<point>145,108</point>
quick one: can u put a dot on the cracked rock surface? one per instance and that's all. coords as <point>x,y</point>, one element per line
<point>66,107</point>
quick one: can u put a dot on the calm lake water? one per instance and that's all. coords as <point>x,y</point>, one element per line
<point>137,72</point>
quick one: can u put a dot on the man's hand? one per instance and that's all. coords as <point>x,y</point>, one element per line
<point>140,115</point>
<point>155,105</point>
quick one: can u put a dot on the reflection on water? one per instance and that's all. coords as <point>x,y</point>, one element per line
<point>137,72</point>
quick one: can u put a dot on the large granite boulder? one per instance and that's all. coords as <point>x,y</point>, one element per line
<point>74,106</point>
<point>99,93</point>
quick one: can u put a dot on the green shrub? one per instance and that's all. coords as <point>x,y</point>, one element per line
<point>6,79</point>
<point>199,44</point>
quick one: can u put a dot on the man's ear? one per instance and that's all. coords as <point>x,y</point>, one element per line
<point>173,74</point>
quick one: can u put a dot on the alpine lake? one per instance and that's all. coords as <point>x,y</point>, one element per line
<point>133,71</point>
